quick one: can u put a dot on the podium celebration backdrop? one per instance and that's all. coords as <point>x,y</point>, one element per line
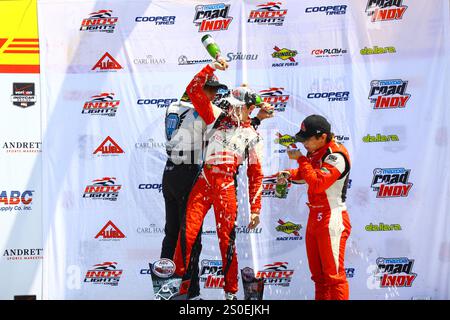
<point>378,70</point>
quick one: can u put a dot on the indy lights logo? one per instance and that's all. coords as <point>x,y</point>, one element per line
<point>395,272</point>
<point>391,182</point>
<point>212,17</point>
<point>388,94</point>
<point>102,104</point>
<point>269,14</point>
<point>276,98</point>
<point>104,189</point>
<point>385,10</point>
<point>101,21</point>
<point>276,274</point>
<point>105,273</point>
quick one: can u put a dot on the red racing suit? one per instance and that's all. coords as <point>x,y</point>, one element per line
<point>229,144</point>
<point>326,171</point>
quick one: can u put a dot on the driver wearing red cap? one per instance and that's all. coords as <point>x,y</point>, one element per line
<point>325,169</point>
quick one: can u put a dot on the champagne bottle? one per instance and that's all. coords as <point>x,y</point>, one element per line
<point>211,46</point>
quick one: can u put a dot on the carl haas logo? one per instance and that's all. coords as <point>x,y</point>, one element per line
<point>109,147</point>
<point>107,63</point>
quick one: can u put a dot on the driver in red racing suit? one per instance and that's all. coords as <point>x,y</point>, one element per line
<point>231,140</point>
<point>325,169</point>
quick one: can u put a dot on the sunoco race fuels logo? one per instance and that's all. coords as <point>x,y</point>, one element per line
<point>290,229</point>
<point>385,10</point>
<point>286,141</point>
<point>276,98</point>
<point>269,14</point>
<point>110,232</point>
<point>212,17</point>
<point>395,272</point>
<point>108,147</point>
<point>104,189</point>
<point>102,104</point>
<point>276,274</point>
<point>101,21</point>
<point>388,94</point>
<point>107,63</point>
<point>212,274</point>
<point>391,182</point>
<point>16,200</point>
<point>284,54</point>
<point>105,273</point>
<point>23,94</point>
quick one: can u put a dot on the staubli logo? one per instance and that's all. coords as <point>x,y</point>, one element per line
<point>377,50</point>
<point>381,138</point>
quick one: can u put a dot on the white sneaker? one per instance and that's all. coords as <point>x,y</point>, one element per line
<point>230,296</point>
<point>199,297</point>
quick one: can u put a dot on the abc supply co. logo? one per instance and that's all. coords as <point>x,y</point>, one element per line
<point>327,53</point>
<point>385,10</point>
<point>395,272</point>
<point>285,55</point>
<point>110,232</point>
<point>16,201</point>
<point>276,98</point>
<point>104,189</point>
<point>289,228</point>
<point>211,274</point>
<point>212,17</point>
<point>105,273</point>
<point>328,10</point>
<point>276,274</point>
<point>102,104</point>
<point>99,21</point>
<point>106,64</point>
<point>391,182</point>
<point>23,94</point>
<point>388,94</point>
<point>108,148</point>
<point>269,14</point>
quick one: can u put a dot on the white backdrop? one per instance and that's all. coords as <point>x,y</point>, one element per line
<point>147,69</point>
